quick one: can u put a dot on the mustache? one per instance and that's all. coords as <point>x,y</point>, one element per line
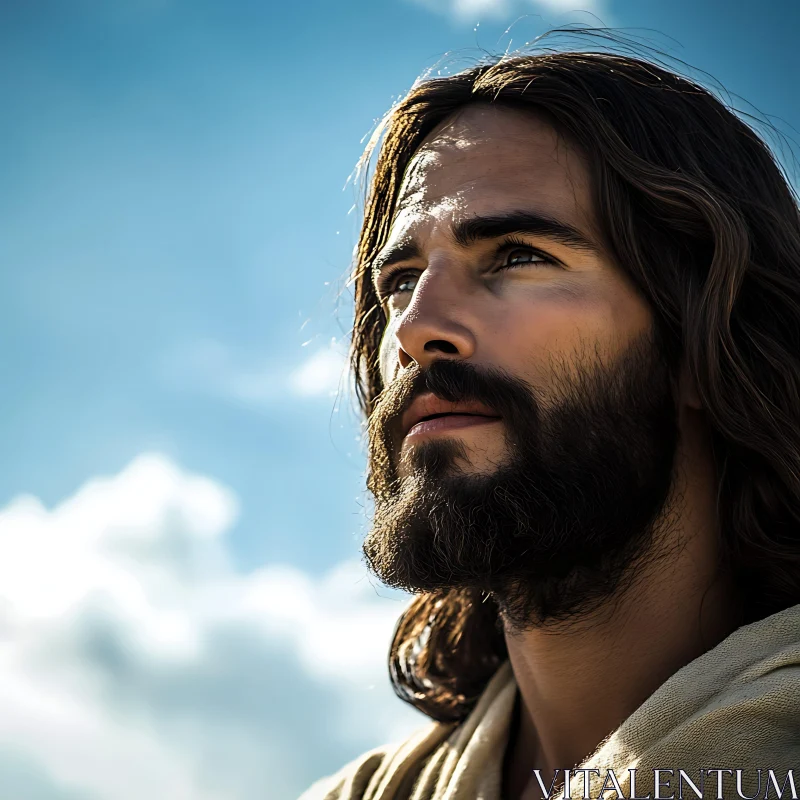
<point>455,382</point>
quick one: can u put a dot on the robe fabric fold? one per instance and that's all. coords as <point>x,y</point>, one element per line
<point>736,707</point>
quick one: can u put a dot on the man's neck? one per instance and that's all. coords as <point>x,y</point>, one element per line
<point>578,684</point>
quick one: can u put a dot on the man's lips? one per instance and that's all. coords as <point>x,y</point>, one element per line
<point>429,413</point>
<point>449,422</point>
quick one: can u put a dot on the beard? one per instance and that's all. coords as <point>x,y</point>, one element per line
<point>570,514</point>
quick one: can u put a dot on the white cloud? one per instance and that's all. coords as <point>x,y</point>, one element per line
<point>474,10</point>
<point>136,662</point>
<point>210,367</point>
<point>320,374</point>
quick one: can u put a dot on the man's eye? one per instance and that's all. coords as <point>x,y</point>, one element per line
<point>403,280</point>
<point>523,255</point>
<point>397,281</point>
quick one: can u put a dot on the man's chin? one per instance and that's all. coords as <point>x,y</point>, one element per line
<point>441,533</point>
<point>466,531</point>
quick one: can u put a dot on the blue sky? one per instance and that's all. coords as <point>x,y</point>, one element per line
<point>181,501</point>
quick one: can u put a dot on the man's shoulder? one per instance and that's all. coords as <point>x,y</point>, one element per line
<point>369,776</point>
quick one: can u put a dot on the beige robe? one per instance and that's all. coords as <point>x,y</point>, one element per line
<point>735,707</point>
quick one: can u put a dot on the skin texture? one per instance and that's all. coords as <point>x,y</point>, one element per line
<point>581,678</point>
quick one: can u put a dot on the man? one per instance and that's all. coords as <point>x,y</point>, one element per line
<point>577,341</point>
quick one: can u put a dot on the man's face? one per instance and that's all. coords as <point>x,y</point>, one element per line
<point>500,298</point>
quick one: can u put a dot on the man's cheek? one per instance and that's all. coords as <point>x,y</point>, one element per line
<point>387,354</point>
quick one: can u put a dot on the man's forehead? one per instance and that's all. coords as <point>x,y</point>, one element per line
<point>492,129</point>
<point>509,161</point>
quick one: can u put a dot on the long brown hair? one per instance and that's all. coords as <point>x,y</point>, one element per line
<point>696,209</point>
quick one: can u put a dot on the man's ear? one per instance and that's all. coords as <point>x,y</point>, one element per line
<point>689,395</point>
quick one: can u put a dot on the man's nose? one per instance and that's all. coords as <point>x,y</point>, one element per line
<point>436,322</point>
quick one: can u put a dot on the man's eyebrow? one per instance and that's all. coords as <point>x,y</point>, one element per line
<point>473,229</point>
<point>478,228</point>
<point>402,251</point>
